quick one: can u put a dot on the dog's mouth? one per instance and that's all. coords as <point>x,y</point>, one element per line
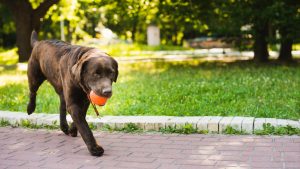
<point>103,93</point>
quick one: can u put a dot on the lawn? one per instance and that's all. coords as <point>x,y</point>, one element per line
<point>190,88</point>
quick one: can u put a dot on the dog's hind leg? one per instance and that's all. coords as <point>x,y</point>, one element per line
<point>35,79</point>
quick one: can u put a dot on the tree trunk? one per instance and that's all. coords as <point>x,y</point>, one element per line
<point>286,43</point>
<point>135,26</point>
<point>23,30</point>
<point>27,19</point>
<point>133,32</point>
<point>174,35</point>
<point>261,53</point>
<point>285,53</point>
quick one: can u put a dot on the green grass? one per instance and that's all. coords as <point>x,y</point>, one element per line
<point>231,130</point>
<point>296,46</point>
<point>186,129</point>
<point>191,88</point>
<point>8,57</point>
<point>268,129</point>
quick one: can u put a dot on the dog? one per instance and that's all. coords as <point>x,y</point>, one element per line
<point>73,71</point>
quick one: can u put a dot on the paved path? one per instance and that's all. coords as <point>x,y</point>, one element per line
<point>24,148</point>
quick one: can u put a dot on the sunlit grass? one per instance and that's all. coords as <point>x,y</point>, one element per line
<point>189,88</point>
<point>296,46</point>
<point>8,57</point>
<point>124,49</point>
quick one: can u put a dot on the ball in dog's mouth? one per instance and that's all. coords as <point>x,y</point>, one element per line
<point>98,100</point>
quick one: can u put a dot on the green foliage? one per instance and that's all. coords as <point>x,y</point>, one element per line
<point>92,126</point>
<point>268,129</point>
<point>29,124</point>
<point>7,28</point>
<point>106,127</point>
<point>130,127</point>
<point>178,20</point>
<point>168,129</point>
<point>231,130</point>
<point>4,122</point>
<point>186,129</point>
<point>203,131</point>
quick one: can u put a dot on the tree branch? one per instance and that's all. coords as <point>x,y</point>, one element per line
<point>41,11</point>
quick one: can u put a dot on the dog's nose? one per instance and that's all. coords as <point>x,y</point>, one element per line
<point>107,92</point>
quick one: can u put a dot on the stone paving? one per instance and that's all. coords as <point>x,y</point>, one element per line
<point>43,149</point>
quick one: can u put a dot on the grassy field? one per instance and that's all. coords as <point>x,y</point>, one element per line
<point>8,57</point>
<point>191,88</point>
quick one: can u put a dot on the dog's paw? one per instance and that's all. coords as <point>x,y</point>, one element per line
<point>64,128</point>
<point>73,131</point>
<point>96,151</point>
<point>30,108</point>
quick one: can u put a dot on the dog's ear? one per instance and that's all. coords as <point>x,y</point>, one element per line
<point>115,66</point>
<point>77,69</point>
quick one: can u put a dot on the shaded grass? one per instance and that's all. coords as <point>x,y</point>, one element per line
<point>191,88</point>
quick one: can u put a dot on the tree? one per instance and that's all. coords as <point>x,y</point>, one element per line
<point>7,28</point>
<point>260,19</point>
<point>26,19</point>
<point>174,17</point>
<point>287,19</point>
<point>129,18</point>
<point>255,14</point>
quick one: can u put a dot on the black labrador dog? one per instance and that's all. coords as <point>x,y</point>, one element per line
<point>73,71</point>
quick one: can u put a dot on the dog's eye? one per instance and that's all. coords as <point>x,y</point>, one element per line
<point>108,71</point>
<point>97,74</point>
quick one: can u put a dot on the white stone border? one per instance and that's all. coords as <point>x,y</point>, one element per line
<point>211,124</point>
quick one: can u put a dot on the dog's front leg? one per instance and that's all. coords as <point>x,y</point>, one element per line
<point>83,128</point>
<point>63,121</point>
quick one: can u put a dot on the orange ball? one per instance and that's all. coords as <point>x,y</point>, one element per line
<point>98,100</point>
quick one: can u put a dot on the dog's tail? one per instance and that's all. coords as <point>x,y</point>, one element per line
<point>34,38</point>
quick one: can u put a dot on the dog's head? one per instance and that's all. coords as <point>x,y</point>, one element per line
<point>96,71</point>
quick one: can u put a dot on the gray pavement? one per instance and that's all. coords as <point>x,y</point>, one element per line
<point>25,148</point>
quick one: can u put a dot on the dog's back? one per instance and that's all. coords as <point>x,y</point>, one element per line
<point>44,64</point>
<point>50,55</point>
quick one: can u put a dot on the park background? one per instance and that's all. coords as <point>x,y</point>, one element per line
<point>265,84</point>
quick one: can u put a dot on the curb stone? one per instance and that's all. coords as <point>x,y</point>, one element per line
<point>258,123</point>
<point>212,124</point>
<point>223,123</point>
<point>248,124</point>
